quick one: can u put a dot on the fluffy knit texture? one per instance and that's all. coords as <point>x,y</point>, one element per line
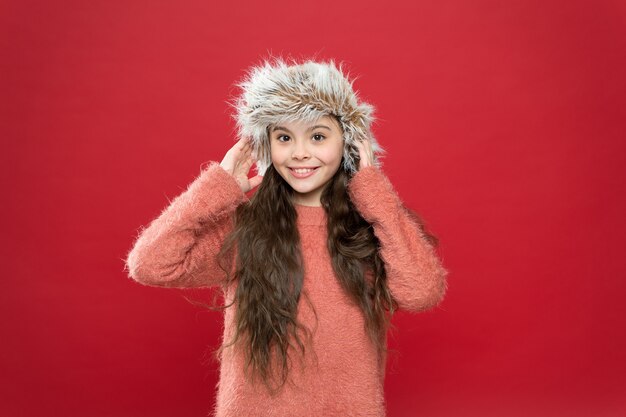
<point>345,376</point>
<point>279,91</point>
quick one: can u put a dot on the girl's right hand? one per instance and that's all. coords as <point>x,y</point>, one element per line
<point>237,162</point>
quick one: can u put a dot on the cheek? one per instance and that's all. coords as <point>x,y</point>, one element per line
<point>332,154</point>
<point>276,154</point>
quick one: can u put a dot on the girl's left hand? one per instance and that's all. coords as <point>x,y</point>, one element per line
<point>366,154</point>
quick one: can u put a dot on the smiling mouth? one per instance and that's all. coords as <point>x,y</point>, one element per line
<point>302,173</point>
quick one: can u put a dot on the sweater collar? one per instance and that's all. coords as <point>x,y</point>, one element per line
<point>310,215</point>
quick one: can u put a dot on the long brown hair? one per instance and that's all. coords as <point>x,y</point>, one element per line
<point>270,273</point>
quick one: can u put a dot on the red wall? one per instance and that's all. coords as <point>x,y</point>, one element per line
<point>505,128</point>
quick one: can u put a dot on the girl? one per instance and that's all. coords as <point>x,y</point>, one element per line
<point>313,265</point>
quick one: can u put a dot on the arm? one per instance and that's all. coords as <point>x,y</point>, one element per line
<point>415,275</point>
<point>178,248</point>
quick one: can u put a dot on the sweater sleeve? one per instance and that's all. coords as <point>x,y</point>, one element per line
<point>179,247</point>
<point>415,275</point>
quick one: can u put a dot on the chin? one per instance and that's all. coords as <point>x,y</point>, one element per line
<point>299,188</point>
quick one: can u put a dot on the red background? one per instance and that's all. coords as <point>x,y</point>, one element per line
<point>505,129</point>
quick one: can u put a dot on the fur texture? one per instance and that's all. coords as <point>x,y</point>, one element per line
<point>277,91</point>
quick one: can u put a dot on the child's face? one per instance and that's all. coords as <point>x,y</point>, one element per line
<point>317,145</point>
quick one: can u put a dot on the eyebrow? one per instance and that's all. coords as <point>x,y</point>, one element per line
<point>308,130</point>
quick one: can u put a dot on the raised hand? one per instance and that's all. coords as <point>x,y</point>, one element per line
<point>238,161</point>
<point>366,155</point>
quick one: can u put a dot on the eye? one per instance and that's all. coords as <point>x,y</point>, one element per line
<point>317,135</point>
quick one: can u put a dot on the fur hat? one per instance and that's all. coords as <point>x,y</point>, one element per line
<point>277,92</point>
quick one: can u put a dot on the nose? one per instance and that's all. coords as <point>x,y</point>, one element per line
<point>300,150</point>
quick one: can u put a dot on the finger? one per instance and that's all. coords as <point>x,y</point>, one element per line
<point>364,144</point>
<point>243,166</point>
<point>243,144</point>
<point>255,181</point>
<point>367,146</point>
<point>246,151</point>
<point>365,154</point>
<point>360,147</point>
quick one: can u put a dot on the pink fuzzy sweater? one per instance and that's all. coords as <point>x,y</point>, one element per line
<point>345,376</point>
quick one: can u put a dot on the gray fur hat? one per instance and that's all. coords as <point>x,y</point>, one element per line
<point>277,92</point>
